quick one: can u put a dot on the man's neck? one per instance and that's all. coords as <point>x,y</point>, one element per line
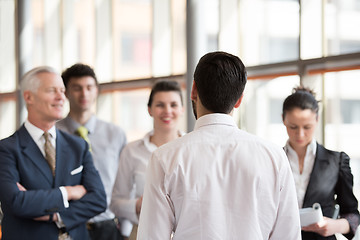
<point>43,125</point>
<point>202,111</point>
<point>161,137</point>
<point>81,117</point>
<point>300,151</point>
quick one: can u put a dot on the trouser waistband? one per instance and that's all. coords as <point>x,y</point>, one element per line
<point>95,225</point>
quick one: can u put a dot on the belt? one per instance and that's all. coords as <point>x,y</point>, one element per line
<point>94,225</point>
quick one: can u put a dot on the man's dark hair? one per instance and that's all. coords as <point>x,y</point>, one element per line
<point>164,86</point>
<point>78,70</point>
<point>220,80</point>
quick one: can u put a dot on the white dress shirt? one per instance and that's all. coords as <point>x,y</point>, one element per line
<point>130,178</point>
<point>219,182</point>
<point>301,179</point>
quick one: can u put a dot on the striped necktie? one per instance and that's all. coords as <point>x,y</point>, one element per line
<point>49,153</point>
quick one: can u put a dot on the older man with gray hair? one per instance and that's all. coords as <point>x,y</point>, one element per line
<point>49,185</point>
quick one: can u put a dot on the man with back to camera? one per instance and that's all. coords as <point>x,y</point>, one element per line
<point>105,139</point>
<point>49,186</point>
<point>219,182</point>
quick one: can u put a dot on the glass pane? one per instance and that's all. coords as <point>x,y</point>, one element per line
<point>342,22</point>
<point>311,29</point>
<point>7,118</point>
<point>78,42</point>
<point>78,32</point>
<point>342,129</point>
<point>269,31</point>
<point>7,46</point>
<point>178,17</point>
<point>212,24</point>
<point>132,27</point>
<point>37,14</point>
<point>261,108</point>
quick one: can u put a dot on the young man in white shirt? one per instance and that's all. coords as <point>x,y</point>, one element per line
<point>219,182</point>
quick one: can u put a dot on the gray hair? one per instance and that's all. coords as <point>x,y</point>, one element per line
<point>30,81</point>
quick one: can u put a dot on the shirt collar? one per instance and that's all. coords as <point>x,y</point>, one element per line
<point>149,145</point>
<point>214,118</point>
<point>73,125</point>
<point>90,124</point>
<point>36,133</point>
<point>311,148</point>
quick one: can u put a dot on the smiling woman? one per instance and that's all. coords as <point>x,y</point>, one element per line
<point>165,105</point>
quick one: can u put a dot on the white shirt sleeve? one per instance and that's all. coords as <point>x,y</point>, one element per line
<point>155,224</point>
<point>287,225</point>
<point>122,204</point>
<point>59,223</point>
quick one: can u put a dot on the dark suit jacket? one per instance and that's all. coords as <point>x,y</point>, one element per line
<point>331,175</point>
<point>22,161</point>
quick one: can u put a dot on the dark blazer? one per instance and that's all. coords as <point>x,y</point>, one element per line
<point>331,175</point>
<point>22,161</point>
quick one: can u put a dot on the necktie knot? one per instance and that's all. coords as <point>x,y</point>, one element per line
<point>46,136</point>
<point>83,132</point>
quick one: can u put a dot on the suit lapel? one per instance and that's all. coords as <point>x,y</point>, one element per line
<point>62,165</point>
<point>315,177</point>
<point>32,152</point>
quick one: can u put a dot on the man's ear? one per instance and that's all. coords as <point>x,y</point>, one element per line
<point>238,102</point>
<point>194,92</point>
<point>28,97</point>
<point>149,111</point>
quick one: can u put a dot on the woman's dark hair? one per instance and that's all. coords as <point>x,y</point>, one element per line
<point>301,97</point>
<point>165,86</point>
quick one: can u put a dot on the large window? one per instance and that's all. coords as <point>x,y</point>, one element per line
<point>329,29</point>
<point>130,44</point>
<point>269,31</point>
<point>342,126</point>
<point>132,27</point>
<point>7,68</point>
<point>342,19</point>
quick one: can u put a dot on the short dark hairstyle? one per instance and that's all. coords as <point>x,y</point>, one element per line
<point>78,70</point>
<point>220,80</point>
<point>301,97</point>
<point>165,86</point>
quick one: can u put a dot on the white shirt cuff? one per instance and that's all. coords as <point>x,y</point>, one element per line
<point>65,196</point>
<point>59,223</point>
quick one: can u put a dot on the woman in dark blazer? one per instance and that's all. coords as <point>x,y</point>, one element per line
<point>321,175</point>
